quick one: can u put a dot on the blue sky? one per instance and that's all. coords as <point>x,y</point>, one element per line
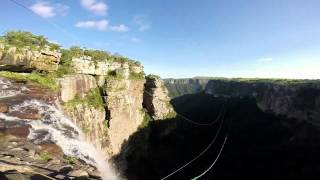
<point>184,38</point>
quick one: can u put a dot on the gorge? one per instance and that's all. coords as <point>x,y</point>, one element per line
<point>87,114</point>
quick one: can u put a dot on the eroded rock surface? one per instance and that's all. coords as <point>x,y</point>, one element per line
<point>16,60</point>
<point>71,86</point>
<point>156,99</point>
<point>299,101</point>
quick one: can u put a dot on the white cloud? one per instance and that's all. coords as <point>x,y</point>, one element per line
<point>101,25</point>
<point>265,59</point>
<point>47,10</point>
<point>119,28</point>
<point>143,23</point>
<point>96,7</point>
<point>134,39</point>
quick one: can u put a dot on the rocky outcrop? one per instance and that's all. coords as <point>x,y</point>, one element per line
<point>124,110</point>
<point>180,87</point>
<point>156,99</point>
<point>71,86</point>
<point>299,100</point>
<point>25,60</point>
<point>85,65</point>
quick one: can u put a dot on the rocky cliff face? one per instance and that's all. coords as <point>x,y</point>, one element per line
<point>14,59</point>
<point>298,100</point>
<point>71,86</point>
<point>78,102</point>
<point>124,110</point>
<point>85,65</point>
<point>156,99</point>
<point>180,87</point>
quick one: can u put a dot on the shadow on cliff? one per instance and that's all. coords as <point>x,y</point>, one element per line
<point>258,146</point>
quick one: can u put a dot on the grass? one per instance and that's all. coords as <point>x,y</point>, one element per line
<point>136,76</point>
<point>45,156</point>
<point>44,80</point>
<point>23,39</point>
<point>92,99</point>
<point>71,160</point>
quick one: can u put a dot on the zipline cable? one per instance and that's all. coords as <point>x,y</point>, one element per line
<point>214,162</point>
<point>51,23</point>
<point>203,152</point>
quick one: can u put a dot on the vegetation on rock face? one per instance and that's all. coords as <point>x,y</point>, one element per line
<point>45,156</point>
<point>23,39</point>
<point>71,160</point>
<point>116,74</point>
<point>146,119</point>
<point>92,99</point>
<point>136,76</point>
<point>96,55</point>
<point>43,80</point>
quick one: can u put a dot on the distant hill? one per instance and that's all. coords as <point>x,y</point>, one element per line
<point>180,87</point>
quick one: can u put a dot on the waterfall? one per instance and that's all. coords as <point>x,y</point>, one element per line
<point>55,127</point>
<point>8,90</point>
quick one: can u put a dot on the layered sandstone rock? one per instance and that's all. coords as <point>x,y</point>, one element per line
<point>124,109</point>
<point>92,121</point>
<point>71,86</point>
<point>85,65</point>
<point>22,60</point>
<point>156,99</point>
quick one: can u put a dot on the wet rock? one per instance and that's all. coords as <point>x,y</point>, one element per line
<point>30,114</point>
<point>3,108</point>
<point>51,149</point>
<point>22,131</point>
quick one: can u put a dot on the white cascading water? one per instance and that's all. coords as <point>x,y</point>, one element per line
<point>7,90</point>
<point>55,127</point>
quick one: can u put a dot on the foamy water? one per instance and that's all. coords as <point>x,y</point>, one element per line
<point>64,133</point>
<point>8,90</point>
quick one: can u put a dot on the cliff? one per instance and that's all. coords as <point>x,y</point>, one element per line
<point>180,87</point>
<point>156,99</point>
<point>293,99</point>
<point>101,95</point>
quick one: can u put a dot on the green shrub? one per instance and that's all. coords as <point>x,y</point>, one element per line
<point>136,76</point>
<point>146,119</point>
<point>22,39</point>
<point>71,160</point>
<point>45,156</point>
